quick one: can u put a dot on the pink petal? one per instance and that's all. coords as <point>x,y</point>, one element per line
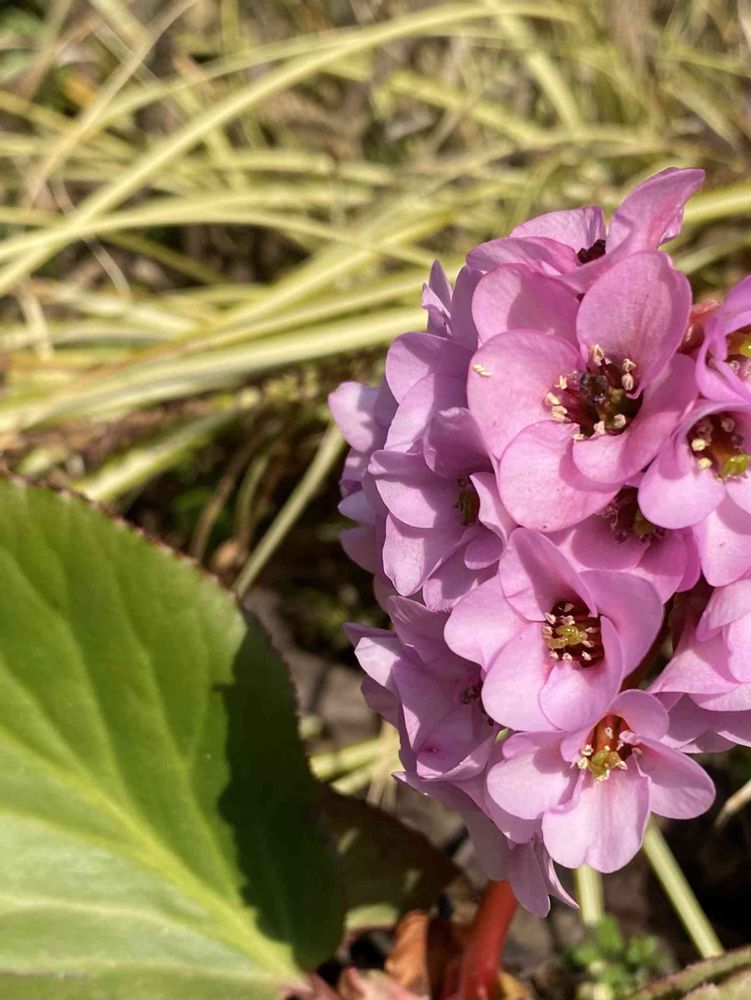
<point>423,401</point>
<point>578,228</point>
<point>385,405</point>
<point>637,309</point>
<point>714,377</point>
<point>356,506</point>
<point>693,564</point>
<point>489,843</point>
<point>483,550</point>
<point>665,563</point>
<point>724,540</point>
<point>735,311</point>
<point>352,407</point>
<point>541,487</point>
<point>534,576</point>
<point>675,492</point>
<point>453,578</point>
<point>556,888</point>
<point>382,702</point>
<point>361,546</point>
<point>727,604</point>
<point>679,787</point>
<point>413,356</point>
<point>452,444</point>
<point>735,726</point>
<point>632,605</point>
<point>410,554</point>
<point>414,494</point>
<point>378,655</point>
<point>603,825</point>
<point>738,636</point>
<point>511,687</point>
<point>653,212</point>
<point>697,668</point>
<point>437,291</point>
<point>533,780</point>
<point>739,490</point>
<point>690,726</point>
<point>644,713</point>
<point>481,623</point>
<point>508,380</point>
<point>592,544</point>
<point>456,747</point>
<point>421,631</point>
<point>518,830</point>
<point>515,297</point>
<point>492,512</point>
<point>528,879</point>
<point>736,700</point>
<point>355,467</point>
<point>425,700</point>
<point>462,325</point>
<point>546,255</point>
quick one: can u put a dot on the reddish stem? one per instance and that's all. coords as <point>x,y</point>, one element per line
<point>479,975</point>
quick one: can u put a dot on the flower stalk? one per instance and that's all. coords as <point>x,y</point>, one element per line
<point>479,977</point>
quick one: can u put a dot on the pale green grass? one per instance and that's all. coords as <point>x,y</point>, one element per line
<point>485,112</point>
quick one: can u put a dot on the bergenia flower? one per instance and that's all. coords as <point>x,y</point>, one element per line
<point>723,370</point>
<point>699,480</point>
<point>570,421</point>
<point>556,643</point>
<point>712,660</point>
<point>621,538</point>
<point>443,530</point>
<point>576,244</point>
<point>593,790</point>
<point>432,696</point>
<point>551,488</point>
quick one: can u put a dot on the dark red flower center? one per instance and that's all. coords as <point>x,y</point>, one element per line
<point>606,751</point>
<point>600,399</point>
<point>717,445</point>
<point>471,693</point>
<point>468,501</point>
<point>572,634</point>
<point>587,254</point>
<point>627,520</point>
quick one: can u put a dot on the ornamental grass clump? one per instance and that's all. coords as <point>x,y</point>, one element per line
<point>551,488</point>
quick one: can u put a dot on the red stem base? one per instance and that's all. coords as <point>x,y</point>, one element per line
<point>481,963</point>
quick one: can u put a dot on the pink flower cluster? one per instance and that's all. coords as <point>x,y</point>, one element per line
<point>550,484</point>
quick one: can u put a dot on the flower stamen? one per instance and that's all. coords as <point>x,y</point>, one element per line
<point>606,752</point>
<point>718,446</point>
<point>586,254</point>
<point>598,399</point>
<point>572,635</point>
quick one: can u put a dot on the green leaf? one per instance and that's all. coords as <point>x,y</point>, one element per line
<point>387,869</point>
<point>608,935</point>
<point>157,818</point>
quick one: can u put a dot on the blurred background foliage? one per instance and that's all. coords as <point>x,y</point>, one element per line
<point>213,211</point>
